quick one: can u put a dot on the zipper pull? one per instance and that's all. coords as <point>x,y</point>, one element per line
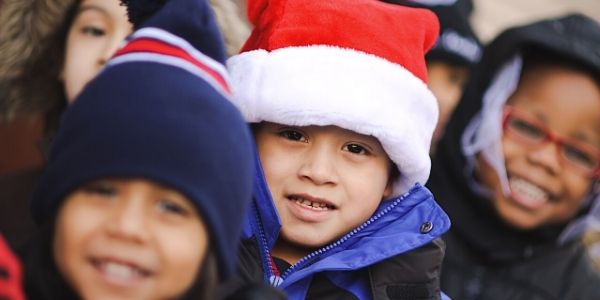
<point>275,280</point>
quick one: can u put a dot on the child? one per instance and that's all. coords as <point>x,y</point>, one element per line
<point>57,46</point>
<point>150,173</point>
<point>451,59</point>
<point>343,120</point>
<point>66,44</point>
<point>48,51</point>
<point>518,166</point>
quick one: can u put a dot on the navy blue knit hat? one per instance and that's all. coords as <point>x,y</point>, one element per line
<point>159,111</point>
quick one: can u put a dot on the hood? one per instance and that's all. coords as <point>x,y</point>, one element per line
<point>575,37</point>
<point>28,26</point>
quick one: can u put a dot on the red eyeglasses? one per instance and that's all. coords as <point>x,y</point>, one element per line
<point>529,131</point>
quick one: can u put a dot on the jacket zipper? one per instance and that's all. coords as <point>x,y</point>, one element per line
<point>276,281</point>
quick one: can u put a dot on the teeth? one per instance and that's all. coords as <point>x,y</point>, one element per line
<point>310,204</point>
<point>529,193</point>
<point>120,271</point>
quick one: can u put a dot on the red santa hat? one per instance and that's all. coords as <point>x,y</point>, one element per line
<point>355,64</point>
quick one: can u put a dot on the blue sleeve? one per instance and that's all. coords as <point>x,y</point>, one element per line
<point>445,297</point>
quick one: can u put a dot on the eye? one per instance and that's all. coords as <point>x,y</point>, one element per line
<point>526,129</point>
<point>93,31</point>
<point>580,156</point>
<point>101,188</point>
<point>293,135</point>
<point>171,207</point>
<point>356,149</point>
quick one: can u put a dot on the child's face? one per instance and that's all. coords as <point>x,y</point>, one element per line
<point>447,83</point>
<point>325,181</point>
<point>97,31</point>
<point>128,239</point>
<point>547,183</point>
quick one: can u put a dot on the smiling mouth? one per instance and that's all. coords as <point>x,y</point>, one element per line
<point>311,203</point>
<point>119,272</point>
<point>528,194</point>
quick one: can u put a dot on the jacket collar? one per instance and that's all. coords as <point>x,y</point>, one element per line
<point>398,225</point>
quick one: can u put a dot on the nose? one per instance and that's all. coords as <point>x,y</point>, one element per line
<point>547,157</point>
<point>319,166</point>
<point>129,221</point>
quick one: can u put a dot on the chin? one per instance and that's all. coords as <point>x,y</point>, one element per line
<point>516,219</point>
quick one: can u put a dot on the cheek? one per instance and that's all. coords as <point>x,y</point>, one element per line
<point>182,252</point>
<point>486,175</point>
<point>368,182</point>
<point>73,229</point>
<point>577,187</point>
<point>277,166</point>
<point>510,150</point>
<point>79,68</point>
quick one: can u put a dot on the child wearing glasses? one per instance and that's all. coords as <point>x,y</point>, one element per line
<point>519,166</point>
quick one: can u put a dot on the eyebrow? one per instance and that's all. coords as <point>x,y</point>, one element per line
<point>85,7</point>
<point>579,135</point>
<point>586,138</point>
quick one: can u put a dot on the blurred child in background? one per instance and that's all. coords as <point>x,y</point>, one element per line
<point>49,50</point>
<point>150,173</point>
<point>451,59</point>
<point>519,164</point>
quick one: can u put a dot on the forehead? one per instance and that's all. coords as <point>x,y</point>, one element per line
<point>110,8</point>
<point>567,100</point>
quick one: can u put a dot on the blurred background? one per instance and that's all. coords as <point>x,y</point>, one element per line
<point>492,16</point>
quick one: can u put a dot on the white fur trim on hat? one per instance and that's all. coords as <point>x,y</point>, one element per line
<point>326,85</point>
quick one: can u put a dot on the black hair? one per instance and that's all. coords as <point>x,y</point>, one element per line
<point>41,279</point>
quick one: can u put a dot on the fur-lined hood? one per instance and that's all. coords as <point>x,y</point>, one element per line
<point>27,27</point>
<point>29,82</point>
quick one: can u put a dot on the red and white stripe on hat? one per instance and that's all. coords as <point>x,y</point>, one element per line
<point>159,46</point>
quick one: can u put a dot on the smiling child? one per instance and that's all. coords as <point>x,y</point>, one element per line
<point>136,200</point>
<point>342,117</point>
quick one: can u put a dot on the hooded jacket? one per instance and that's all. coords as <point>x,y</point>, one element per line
<point>29,36</point>
<point>32,38</point>
<point>396,254</point>
<point>486,259</point>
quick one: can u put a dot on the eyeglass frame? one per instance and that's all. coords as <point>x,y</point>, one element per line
<point>549,136</point>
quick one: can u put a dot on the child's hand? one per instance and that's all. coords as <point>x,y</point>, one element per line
<point>10,274</point>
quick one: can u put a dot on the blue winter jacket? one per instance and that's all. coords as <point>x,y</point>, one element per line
<point>399,226</point>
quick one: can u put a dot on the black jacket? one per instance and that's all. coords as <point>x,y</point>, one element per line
<point>420,275</point>
<point>487,259</point>
<point>396,254</point>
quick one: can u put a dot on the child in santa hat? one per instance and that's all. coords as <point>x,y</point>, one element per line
<point>336,93</point>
